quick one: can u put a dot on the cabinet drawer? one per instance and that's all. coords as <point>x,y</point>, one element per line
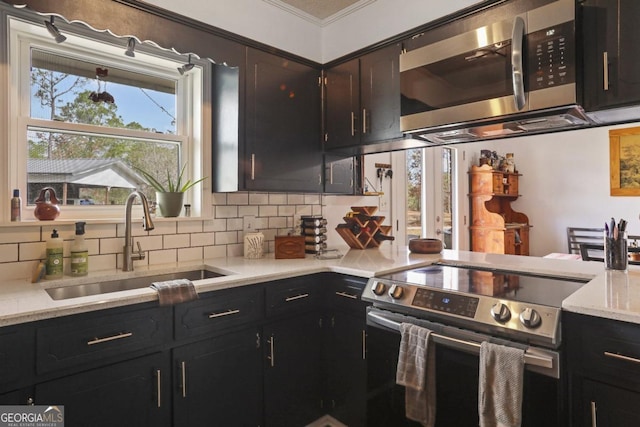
<point>216,311</point>
<point>94,337</point>
<point>293,295</point>
<point>17,352</point>
<point>608,347</point>
<point>344,293</point>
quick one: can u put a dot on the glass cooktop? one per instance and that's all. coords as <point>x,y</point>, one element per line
<point>510,285</point>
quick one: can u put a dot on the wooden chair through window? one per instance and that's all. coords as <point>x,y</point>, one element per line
<point>581,235</point>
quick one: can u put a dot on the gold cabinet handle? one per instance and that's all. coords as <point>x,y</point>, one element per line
<point>594,419</point>
<point>223,313</point>
<point>346,295</point>
<point>621,357</point>
<point>364,344</point>
<point>111,338</point>
<point>296,297</point>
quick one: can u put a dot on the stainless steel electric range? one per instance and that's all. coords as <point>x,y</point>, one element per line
<point>464,306</point>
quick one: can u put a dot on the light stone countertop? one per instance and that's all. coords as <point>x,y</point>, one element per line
<point>22,301</point>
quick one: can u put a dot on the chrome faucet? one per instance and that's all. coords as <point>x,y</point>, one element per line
<point>128,256</point>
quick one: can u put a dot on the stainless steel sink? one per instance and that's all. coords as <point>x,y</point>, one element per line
<point>75,291</point>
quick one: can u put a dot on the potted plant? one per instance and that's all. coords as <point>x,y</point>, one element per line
<point>170,198</point>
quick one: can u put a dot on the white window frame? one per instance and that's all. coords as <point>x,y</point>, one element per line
<point>192,97</point>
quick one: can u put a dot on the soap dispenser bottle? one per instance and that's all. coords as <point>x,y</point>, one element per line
<point>54,261</point>
<point>79,253</point>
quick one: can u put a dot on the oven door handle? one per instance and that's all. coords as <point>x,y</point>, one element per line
<point>539,360</point>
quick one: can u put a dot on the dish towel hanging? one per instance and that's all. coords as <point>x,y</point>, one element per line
<point>175,291</point>
<point>500,385</point>
<point>417,373</point>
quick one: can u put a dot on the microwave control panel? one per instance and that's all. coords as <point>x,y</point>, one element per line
<point>551,56</point>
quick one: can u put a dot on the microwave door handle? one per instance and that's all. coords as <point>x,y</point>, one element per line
<point>517,69</point>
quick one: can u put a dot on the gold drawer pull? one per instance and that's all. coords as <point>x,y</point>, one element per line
<point>621,357</point>
<point>224,313</point>
<point>111,338</point>
<point>346,295</point>
<point>296,297</point>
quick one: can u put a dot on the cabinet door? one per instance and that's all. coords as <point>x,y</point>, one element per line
<point>345,368</point>
<point>131,393</point>
<point>612,65</point>
<point>218,381</point>
<point>342,111</point>
<point>339,174</point>
<point>380,95</point>
<point>605,405</point>
<point>17,355</point>
<point>292,376</point>
<point>283,137</point>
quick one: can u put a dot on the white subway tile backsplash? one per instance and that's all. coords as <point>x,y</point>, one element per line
<point>312,199</point>
<point>235,250</point>
<point>240,198</point>
<point>248,210</point>
<point>163,257</point>
<point>277,222</point>
<point>102,262</point>
<point>268,210</point>
<point>190,254</point>
<point>190,226</point>
<point>219,235</point>
<point>226,237</point>
<point>148,243</point>
<point>226,212</point>
<point>218,199</point>
<point>215,225</point>
<point>286,210</point>
<point>171,241</point>
<point>202,239</point>
<point>32,251</point>
<point>258,198</point>
<point>9,253</point>
<point>295,199</point>
<point>215,251</point>
<point>19,234</point>
<point>111,246</point>
<point>164,227</point>
<point>277,199</point>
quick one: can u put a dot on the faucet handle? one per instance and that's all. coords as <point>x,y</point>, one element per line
<point>140,253</point>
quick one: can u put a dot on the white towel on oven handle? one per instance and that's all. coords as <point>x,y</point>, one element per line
<point>416,372</point>
<point>500,385</point>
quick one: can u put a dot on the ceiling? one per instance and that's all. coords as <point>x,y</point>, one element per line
<point>320,12</point>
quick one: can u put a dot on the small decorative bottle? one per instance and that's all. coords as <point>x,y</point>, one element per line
<point>16,206</point>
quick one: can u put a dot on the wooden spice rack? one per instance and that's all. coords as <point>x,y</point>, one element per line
<point>361,226</point>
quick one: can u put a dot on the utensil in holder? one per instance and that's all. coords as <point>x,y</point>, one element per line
<point>615,252</point>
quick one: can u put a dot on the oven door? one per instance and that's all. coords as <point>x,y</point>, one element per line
<point>456,376</point>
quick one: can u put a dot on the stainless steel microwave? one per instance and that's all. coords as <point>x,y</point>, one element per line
<point>512,75</point>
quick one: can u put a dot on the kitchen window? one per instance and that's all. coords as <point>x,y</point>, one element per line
<point>85,118</point>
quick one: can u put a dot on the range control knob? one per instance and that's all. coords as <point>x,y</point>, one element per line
<point>395,292</point>
<point>530,318</point>
<point>378,288</point>
<point>500,312</point>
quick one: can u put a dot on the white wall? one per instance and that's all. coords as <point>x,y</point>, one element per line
<point>268,24</point>
<point>256,20</point>
<point>381,20</point>
<point>565,182</point>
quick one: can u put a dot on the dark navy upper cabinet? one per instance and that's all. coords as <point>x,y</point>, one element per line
<point>283,148</point>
